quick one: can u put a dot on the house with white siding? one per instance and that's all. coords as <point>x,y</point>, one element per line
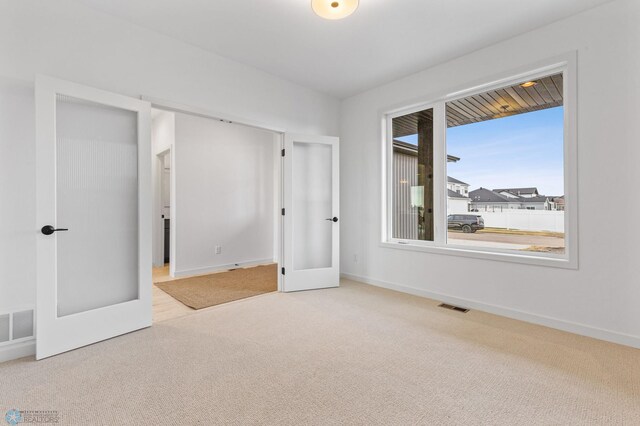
<point>457,196</point>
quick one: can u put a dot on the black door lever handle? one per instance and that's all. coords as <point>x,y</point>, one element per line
<point>48,229</point>
<point>332,219</point>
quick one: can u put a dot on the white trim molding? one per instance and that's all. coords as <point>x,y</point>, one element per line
<point>226,267</point>
<point>565,64</point>
<point>555,323</point>
<point>17,350</point>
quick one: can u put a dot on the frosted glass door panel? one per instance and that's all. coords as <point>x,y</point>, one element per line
<point>97,200</point>
<point>312,195</point>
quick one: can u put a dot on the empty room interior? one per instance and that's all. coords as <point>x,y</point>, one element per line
<point>216,192</point>
<point>319,212</point>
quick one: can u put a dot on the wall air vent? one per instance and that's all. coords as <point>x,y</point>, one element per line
<point>16,326</point>
<point>453,308</point>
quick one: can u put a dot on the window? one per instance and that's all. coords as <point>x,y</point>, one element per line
<point>413,176</point>
<point>499,153</point>
<point>510,144</point>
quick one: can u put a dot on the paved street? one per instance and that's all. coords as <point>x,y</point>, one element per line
<point>505,241</point>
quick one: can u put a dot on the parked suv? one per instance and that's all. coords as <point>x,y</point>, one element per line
<point>465,222</point>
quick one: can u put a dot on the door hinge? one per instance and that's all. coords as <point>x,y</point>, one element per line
<point>283,152</point>
<point>282,271</point>
<point>282,212</point>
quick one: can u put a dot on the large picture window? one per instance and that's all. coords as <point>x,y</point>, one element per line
<point>484,171</point>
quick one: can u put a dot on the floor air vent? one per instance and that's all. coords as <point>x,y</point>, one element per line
<point>453,308</point>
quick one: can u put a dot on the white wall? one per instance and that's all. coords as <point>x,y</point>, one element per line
<point>163,131</point>
<point>17,196</point>
<point>224,180</point>
<point>17,206</point>
<point>602,297</point>
<point>70,41</point>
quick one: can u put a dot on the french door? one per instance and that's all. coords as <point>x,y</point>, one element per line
<point>93,207</point>
<point>311,221</point>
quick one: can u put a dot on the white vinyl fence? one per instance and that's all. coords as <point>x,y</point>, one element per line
<point>525,220</point>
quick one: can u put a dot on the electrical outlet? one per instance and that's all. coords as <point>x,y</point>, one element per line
<point>355,258</point>
<point>218,249</point>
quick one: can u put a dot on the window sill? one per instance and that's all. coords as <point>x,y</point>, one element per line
<point>553,261</point>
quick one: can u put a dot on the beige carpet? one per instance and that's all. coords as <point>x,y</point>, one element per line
<point>350,355</point>
<point>222,287</point>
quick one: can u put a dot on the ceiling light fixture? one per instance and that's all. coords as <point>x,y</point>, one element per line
<point>334,9</point>
<point>529,84</point>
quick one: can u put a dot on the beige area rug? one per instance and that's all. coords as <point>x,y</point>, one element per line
<point>222,287</point>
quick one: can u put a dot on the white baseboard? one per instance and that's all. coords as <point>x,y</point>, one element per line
<point>218,268</point>
<point>571,327</point>
<point>17,350</point>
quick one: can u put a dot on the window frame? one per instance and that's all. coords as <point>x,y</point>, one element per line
<point>565,64</point>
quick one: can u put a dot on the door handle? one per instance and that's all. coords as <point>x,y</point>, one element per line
<point>332,219</point>
<point>48,229</point>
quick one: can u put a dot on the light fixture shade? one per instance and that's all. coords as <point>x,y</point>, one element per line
<point>334,9</point>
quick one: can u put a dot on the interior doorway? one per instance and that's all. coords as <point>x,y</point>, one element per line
<point>217,221</point>
<point>227,202</point>
<point>165,198</point>
<point>164,207</point>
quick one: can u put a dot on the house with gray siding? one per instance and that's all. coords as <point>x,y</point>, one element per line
<point>497,200</point>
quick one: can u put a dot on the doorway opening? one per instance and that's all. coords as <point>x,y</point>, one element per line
<point>217,221</point>
<point>165,199</point>
<point>226,191</point>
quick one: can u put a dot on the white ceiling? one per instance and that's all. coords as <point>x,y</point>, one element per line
<point>382,41</point>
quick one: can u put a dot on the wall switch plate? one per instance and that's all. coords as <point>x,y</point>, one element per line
<point>218,249</point>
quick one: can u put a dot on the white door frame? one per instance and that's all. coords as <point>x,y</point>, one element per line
<point>59,334</point>
<point>158,209</point>
<point>278,133</point>
<point>279,179</point>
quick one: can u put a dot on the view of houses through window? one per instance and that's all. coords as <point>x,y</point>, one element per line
<point>505,170</point>
<point>506,187</point>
